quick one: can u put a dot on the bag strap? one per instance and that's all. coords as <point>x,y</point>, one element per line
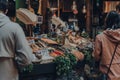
<point>112,59</point>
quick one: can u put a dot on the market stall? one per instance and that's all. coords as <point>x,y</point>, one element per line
<point>63,45</point>
<point>58,51</point>
<point>54,53</point>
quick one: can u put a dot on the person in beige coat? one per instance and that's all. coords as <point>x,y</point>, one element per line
<point>12,41</point>
<point>105,45</point>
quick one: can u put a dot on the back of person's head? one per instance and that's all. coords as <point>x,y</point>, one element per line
<point>112,20</point>
<point>118,8</point>
<point>3,5</point>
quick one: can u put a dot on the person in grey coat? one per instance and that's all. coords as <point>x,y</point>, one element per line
<point>12,42</point>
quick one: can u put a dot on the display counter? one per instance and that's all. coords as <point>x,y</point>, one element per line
<point>39,70</point>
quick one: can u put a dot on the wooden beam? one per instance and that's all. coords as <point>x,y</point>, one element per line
<point>88,16</point>
<point>58,8</point>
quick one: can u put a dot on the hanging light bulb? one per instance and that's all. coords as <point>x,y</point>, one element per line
<point>74,8</point>
<point>84,9</point>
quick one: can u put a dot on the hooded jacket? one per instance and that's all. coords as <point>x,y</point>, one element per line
<point>105,44</point>
<point>103,51</point>
<point>12,42</point>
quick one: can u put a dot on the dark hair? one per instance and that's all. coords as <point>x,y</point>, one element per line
<point>112,20</point>
<point>3,5</point>
<point>118,7</point>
